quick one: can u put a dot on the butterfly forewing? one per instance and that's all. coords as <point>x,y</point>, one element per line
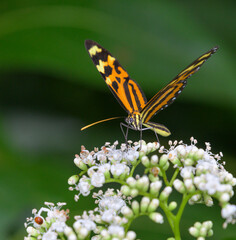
<point>127,92</point>
<point>169,93</point>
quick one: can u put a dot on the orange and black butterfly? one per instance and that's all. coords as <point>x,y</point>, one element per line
<point>131,97</point>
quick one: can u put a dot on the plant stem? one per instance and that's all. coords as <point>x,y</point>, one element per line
<point>133,168</point>
<point>164,177</point>
<point>174,176</point>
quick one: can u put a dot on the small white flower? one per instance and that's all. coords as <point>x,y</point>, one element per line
<point>84,187</point>
<point>187,172</point>
<point>83,233</point>
<point>225,197</point>
<point>58,226</point>
<point>229,213</point>
<point>97,179</point>
<point>49,235</point>
<point>84,223</point>
<point>131,235</point>
<point>118,168</point>
<point>115,155</point>
<point>116,230</point>
<point>111,202</point>
<point>92,170</point>
<point>131,155</point>
<point>108,215</point>
<point>104,168</point>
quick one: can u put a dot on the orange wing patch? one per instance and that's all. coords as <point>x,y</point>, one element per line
<point>127,92</point>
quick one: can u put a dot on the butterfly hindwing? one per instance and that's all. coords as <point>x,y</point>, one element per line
<point>168,94</point>
<point>127,92</point>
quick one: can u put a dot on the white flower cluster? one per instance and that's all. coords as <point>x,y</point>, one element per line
<point>202,174</point>
<point>104,164</point>
<point>201,230</point>
<point>198,176</point>
<point>47,223</point>
<point>114,213</point>
<point>111,212</point>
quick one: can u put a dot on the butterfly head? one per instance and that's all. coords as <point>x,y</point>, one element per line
<point>134,121</point>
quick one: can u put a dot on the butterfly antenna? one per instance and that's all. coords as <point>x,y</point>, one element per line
<point>104,120</point>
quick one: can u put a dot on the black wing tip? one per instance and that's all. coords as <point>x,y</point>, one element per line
<point>89,43</point>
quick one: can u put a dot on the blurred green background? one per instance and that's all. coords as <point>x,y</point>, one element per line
<point>50,89</point>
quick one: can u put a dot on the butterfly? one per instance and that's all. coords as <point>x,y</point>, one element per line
<point>131,97</point>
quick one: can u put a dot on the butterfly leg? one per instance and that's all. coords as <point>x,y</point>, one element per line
<point>151,128</point>
<point>141,138</point>
<point>156,136</point>
<point>125,134</point>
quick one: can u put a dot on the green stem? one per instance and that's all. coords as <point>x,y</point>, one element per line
<point>133,168</point>
<point>111,180</point>
<point>174,176</point>
<point>62,236</point>
<point>169,215</point>
<point>164,177</point>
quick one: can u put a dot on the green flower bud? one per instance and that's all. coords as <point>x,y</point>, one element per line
<point>32,231</point>
<point>150,147</point>
<point>163,160</point>
<point>194,231</point>
<point>156,217</point>
<point>79,163</point>
<point>198,154</point>
<point>127,212</point>
<point>153,176</point>
<point>125,190</point>
<point>144,204</point>
<point>154,160</point>
<point>188,162</point>
<point>135,207</point>
<point>134,192</point>
<point>123,176</point>
<point>179,186</point>
<point>107,175</point>
<point>131,182</point>
<point>165,193</point>
<point>197,225</point>
<point>172,206</point>
<point>176,161</point>
<point>145,161</point>
<point>208,200</point>
<point>203,232</point>
<point>207,224</point>
<point>73,179</point>
<point>166,166</point>
<point>155,187</point>
<point>153,205</point>
<point>210,233</point>
<point>143,183</point>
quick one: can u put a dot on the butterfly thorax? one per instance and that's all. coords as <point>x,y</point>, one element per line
<point>134,120</point>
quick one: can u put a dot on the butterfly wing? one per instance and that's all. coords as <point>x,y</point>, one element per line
<point>168,94</point>
<point>127,92</point>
